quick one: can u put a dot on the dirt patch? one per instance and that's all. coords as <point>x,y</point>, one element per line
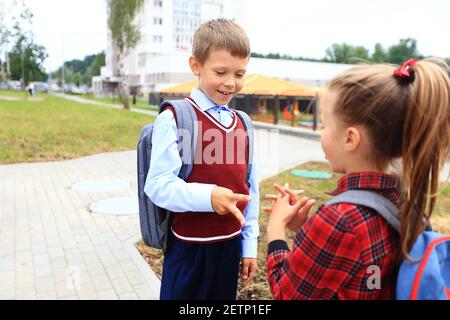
<point>35,99</point>
<point>5,98</point>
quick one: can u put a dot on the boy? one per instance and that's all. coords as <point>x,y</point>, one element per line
<point>214,223</point>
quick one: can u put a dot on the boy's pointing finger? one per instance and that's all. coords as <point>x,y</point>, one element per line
<point>239,197</point>
<point>237,213</point>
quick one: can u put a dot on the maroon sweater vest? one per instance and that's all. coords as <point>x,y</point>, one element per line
<point>223,164</point>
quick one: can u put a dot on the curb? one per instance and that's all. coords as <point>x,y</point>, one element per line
<point>150,277</point>
<point>297,132</point>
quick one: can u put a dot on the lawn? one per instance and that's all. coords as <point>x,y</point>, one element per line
<point>48,128</point>
<point>140,104</point>
<point>259,289</point>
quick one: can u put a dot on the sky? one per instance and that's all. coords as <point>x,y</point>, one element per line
<point>72,29</point>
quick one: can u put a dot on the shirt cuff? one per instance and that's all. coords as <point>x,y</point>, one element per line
<point>249,248</point>
<point>201,196</point>
<point>277,245</point>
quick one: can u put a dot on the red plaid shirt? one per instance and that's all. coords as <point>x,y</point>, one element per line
<point>334,252</point>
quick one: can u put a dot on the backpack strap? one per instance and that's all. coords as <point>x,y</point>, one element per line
<point>248,124</point>
<point>187,133</point>
<point>372,200</point>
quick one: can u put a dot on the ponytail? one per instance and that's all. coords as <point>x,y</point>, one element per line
<point>425,146</point>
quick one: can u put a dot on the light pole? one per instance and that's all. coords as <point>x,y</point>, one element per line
<point>22,61</point>
<point>315,106</point>
<point>63,81</point>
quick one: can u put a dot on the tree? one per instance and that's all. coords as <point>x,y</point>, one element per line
<point>125,35</point>
<point>4,39</point>
<point>95,67</point>
<point>379,55</point>
<point>404,50</point>
<point>81,71</point>
<point>24,60</point>
<point>33,59</point>
<point>345,53</point>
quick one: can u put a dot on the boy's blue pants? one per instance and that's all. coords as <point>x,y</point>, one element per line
<point>200,271</point>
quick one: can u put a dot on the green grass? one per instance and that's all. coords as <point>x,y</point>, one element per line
<point>46,128</point>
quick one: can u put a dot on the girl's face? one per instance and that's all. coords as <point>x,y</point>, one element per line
<point>333,134</point>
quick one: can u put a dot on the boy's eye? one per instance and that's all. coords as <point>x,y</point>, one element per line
<point>240,75</point>
<point>220,73</point>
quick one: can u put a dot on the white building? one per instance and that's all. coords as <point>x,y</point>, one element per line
<point>161,58</point>
<point>167,28</point>
<point>173,68</point>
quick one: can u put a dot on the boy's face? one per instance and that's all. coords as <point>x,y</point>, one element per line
<point>221,76</point>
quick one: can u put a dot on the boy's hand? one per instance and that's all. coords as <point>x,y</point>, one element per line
<point>224,202</point>
<point>249,266</point>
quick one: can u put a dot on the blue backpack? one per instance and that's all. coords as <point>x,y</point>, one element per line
<point>427,279</point>
<point>155,221</point>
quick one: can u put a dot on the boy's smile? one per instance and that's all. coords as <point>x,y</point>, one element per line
<point>221,76</point>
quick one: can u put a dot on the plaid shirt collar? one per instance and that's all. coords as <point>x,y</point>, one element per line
<point>386,184</point>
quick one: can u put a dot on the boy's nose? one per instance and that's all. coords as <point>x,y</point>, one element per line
<point>229,83</point>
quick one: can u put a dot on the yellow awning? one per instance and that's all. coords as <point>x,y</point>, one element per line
<point>256,85</point>
<point>183,88</point>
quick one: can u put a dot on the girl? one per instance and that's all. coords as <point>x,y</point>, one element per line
<point>372,116</point>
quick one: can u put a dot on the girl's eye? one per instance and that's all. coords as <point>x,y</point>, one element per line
<point>239,76</point>
<point>220,73</point>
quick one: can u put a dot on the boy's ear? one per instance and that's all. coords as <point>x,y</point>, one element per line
<point>352,139</point>
<point>195,66</point>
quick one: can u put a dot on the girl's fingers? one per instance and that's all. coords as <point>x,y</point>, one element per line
<point>300,204</point>
<point>309,205</point>
<point>271,197</point>
<point>267,209</point>
<point>279,188</point>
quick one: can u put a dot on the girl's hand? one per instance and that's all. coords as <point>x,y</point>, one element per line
<point>284,214</point>
<point>302,215</point>
<point>292,200</point>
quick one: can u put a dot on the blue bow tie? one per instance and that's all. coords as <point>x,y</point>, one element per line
<point>221,108</point>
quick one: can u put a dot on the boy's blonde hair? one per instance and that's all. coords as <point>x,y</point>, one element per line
<point>220,34</point>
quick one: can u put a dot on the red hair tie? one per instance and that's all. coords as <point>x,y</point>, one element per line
<point>404,71</point>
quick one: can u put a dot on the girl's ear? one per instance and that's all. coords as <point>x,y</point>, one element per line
<point>352,139</point>
<point>195,66</point>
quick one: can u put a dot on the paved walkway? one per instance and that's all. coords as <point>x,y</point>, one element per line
<point>101,104</point>
<point>52,247</point>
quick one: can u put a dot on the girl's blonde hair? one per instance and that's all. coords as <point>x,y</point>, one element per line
<point>407,119</point>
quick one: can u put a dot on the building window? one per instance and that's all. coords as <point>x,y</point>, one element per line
<point>158,39</point>
<point>157,3</point>
<point>157,21</point>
